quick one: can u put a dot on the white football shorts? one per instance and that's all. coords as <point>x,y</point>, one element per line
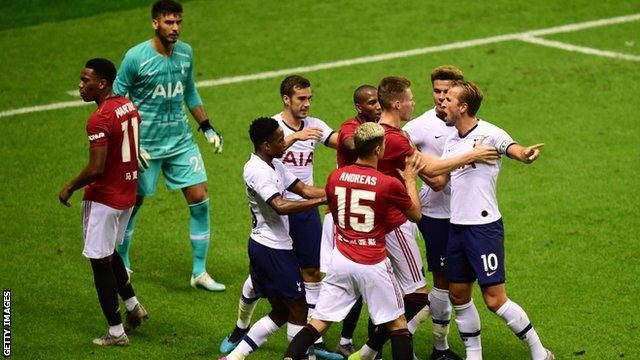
<point>405,256</point>
<point>328,242</point>
<point>347,280</point>
<point>103,228</point>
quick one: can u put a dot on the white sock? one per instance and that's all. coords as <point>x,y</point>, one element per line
<point>116,330</point>
<point>312,293</point>
<point>247,304</point>
<point>518,321</point>
<point>131,303</point>
<point>418,319</point>
<point>367,353</point>
<point>345,341</point>
<point>468,321</point>
<point>441,316</point>
<point>256,336</point>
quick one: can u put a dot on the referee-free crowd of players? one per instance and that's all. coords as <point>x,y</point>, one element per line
<point>312,272</point>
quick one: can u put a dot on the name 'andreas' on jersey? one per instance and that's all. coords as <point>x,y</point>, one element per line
<point>360,198</point>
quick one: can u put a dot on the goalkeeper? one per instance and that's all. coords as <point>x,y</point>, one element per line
<point>158,76</point>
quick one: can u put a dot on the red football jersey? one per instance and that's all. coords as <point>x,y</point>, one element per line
<point>115,125</point>
<point>397,148</point>
<point>360,197</point>
<point>347,129</point>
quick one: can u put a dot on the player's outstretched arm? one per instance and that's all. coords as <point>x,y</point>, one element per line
<point>413,166</point>
<point>286,207</point>
<point>309,133</point>
<point>332,141</point>
<point>92,171</point>
<point>306,191</point>
<point>523,154</point>
<point>480,153</point>
<point>436,183</point>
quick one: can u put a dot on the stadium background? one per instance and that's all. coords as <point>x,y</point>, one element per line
<point>571,218</point>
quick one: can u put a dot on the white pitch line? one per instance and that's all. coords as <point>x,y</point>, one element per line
<point>366,59</point>
<point>579,49</point>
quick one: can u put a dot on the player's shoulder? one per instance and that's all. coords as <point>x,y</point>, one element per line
<point>489,128</point>
<point>313,121</point>
<point>182,48</point>
<point>140,50</point>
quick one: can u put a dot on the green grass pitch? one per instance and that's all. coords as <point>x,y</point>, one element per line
<point>571,219</point>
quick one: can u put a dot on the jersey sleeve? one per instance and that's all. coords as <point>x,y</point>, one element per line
<point>98,130</point>
<point>411,128</point>
<point>126,75</point>
<point>326,130</point>
<point>397,195</point>
<point>501,140</point>
<point>405,145</point>
<point>191,95</point>
<point>262,183</point>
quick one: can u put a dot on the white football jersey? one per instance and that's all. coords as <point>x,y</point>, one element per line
<point>429,133</point>
<point>263,183</point>
<point>473,186</point>
<point>299,157</point>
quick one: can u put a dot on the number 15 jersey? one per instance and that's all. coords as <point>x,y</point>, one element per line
<point>360,198</point>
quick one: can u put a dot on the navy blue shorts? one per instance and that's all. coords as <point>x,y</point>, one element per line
<point>275,273</point>
<point>305,229</point>
<point>436,236</point>
<point>476,252</point>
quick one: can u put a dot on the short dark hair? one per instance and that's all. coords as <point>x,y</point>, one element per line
<point>470,94</point>
<point>391,89</point>
<point>359,93</point>
<point>103,68</point>
<point>164,7</point>
<point>367,137</point>
<point>446,72</point>
<point>292,82</point>
<point>262,129</point>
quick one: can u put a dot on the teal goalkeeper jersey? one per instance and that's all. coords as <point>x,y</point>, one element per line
<point>158,86</point>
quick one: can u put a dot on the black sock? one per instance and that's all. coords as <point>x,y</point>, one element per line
<point>377,336</point>
<point>301,342</point>
<point>401,344</point>
<point>237,334</point>
<point>105,282</point>
<point>122,278</point>
<point>349,323</point>
<point>413,303</point>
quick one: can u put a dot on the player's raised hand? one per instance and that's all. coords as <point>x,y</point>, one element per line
<point>310,133</point>
<point>64,196</point>
<point>412,166</point>
<point>531,153</point>
<point>483,153</point>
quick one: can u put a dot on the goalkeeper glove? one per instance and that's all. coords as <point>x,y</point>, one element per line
<point>213,137</point>
<point>143,160</point>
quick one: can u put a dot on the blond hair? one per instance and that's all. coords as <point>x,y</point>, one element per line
<point>446,72</point>
<point>470,94</point>
<point>367,137</point>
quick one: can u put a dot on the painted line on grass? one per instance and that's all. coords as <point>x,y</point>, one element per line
<point>579,49</point>
<point>364,59</point>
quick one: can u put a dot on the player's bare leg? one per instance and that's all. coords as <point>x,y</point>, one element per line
<point>495,297</point>
<point>200,232</point>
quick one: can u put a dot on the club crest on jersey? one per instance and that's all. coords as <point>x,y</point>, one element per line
<point>170,91</point>
<point>297,158</point>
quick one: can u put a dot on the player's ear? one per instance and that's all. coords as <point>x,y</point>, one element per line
<point>286,100</point>
<point>154,24</point>
<point>463,108</point>
<point>102,84</point>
